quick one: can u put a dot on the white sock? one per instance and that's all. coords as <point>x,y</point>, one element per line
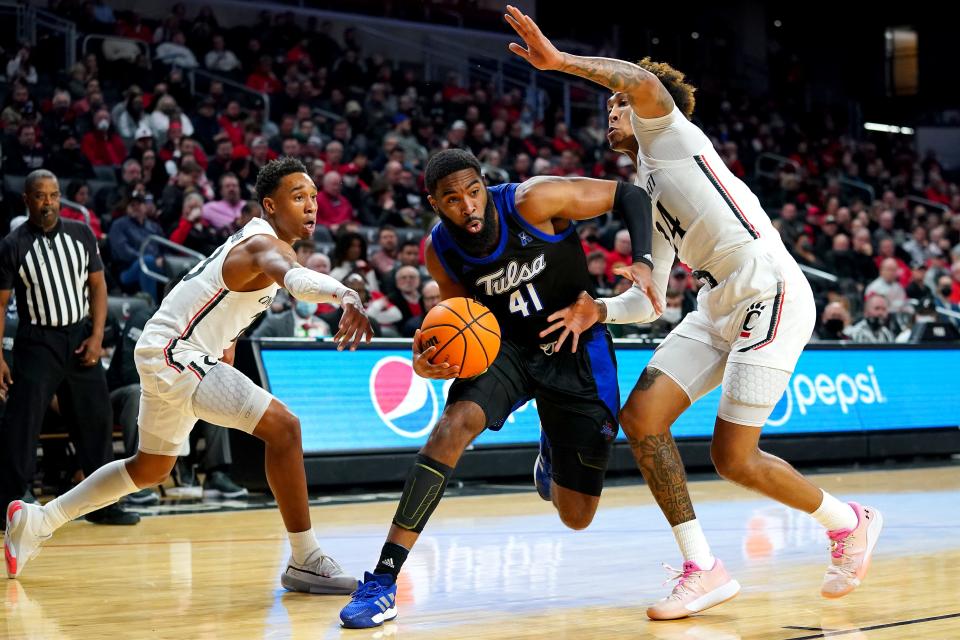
<point>693,544</point>
<point>304,546</point>
<point>834,514</point>
<point>104,486</point>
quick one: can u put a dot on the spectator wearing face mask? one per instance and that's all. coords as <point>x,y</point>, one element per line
<point>299,321</point>
<point>671,316</point>
<point>103,146</point>
<point>873,328</point>
<point>834,322</point>
<point>942,298</point>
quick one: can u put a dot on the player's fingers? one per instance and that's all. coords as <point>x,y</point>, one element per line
<point>554,327</point>
<point>624,272</point>
<point>512,21</point>
<point>557,315</point>
<point>562,339</point>
<point>520,51</point>
<point>368,332</point>
<point>654,300</point>
<point>427,353</point>
<point>576,341</point>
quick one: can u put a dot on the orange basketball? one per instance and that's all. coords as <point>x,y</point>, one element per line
<point>465,333</point>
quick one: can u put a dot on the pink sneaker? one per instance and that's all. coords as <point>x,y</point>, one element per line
<point>850,551</point>
<point>697,590</point>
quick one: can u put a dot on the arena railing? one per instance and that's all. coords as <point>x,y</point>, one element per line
<point>32,19</point>
<point>79,207</point>
<point>168,244</point>
<point>108,39</point>
<point>942,208</point>
<point>228,82</point>
<point>858,185</point>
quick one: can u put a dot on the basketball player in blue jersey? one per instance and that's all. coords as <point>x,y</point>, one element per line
<point>183,358</point>
<point>513,247</point>
<point>754,316</point>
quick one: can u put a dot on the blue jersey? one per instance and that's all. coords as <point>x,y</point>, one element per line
<point>528,276</point>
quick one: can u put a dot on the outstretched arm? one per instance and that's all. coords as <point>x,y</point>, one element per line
<point>647,95</point>
<point>279,261</point>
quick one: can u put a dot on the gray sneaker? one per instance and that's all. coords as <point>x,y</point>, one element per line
<point>144,497</point>
<point>217,484</point>
<point>323,576</point>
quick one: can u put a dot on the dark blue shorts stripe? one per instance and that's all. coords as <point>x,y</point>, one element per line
<point>604,370</point>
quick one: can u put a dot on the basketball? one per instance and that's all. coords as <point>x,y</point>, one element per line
<point>464,332</point>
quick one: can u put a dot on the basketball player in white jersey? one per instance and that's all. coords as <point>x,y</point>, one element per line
<point>754,315</point>
<point>183,358</point>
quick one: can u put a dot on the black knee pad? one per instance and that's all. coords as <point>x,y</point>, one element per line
<point>425,484</point>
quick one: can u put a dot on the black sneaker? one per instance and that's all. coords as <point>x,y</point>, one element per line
<point>217,484</point>
<point>144,497</point>
<point>114,514</point>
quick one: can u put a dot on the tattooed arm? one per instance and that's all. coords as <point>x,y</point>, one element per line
<point>647,95</point>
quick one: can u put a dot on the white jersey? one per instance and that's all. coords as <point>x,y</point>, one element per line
<point>201,313</point>
<point>699,207</point>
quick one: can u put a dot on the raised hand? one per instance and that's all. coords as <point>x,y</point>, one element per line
<point>540,52</point>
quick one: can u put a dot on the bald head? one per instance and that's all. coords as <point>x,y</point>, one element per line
<point>888,270</point>
<point>318,262</point>
<point>408,280</point>
<point>332,183</point>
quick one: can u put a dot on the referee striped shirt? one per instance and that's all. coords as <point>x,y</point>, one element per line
<point>49,271</point>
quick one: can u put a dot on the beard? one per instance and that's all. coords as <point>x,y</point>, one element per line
<point>477,244</point>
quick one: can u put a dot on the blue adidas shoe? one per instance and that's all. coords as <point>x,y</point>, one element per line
<point>543,468</point>
<point>373,603</point>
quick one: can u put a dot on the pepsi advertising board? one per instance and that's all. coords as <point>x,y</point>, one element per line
<point>371,400</point>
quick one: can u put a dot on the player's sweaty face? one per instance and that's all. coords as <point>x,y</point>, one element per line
<point>619,128</point>
<point>467,212</point>
<point>462,198</point>
<point>295,207</point>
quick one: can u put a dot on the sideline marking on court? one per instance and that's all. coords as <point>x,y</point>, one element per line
<point>872,628</point>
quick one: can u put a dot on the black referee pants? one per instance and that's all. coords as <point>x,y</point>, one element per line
<point>44,364</point>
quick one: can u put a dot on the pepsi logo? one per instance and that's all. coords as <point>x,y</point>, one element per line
<point>405,402</point>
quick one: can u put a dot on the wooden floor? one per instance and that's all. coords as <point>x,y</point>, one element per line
<point>502,566</point>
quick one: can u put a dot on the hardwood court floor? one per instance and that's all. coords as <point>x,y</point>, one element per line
<point>502,566</point>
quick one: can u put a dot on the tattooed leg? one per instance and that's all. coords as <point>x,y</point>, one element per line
<point>653,406</point>
<point>662,468</point>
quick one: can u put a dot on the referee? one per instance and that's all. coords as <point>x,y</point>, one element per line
<point>54,266</point>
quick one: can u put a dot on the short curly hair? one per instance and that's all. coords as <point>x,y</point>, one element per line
<point>272,173</point>
<point>448,161</point>
<point>680,90</point>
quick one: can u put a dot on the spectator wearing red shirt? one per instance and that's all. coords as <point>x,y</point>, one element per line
<point>232,122</point>
<point>885,249</point>
<point>332,208</point>
<point>955,274</point>
<point>621,254</point>
<point>103,146</point>
<point>569,165</point>
<point>263,79</point>
<point>79,193</point>
<point>563,142</point>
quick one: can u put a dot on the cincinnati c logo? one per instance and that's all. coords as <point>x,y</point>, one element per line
<point>753,312</point>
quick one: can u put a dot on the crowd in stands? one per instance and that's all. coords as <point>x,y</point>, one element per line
<point>135,146</point>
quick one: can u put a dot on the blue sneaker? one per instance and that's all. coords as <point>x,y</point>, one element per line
<point>373,603</point>
<point>542,468</point>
